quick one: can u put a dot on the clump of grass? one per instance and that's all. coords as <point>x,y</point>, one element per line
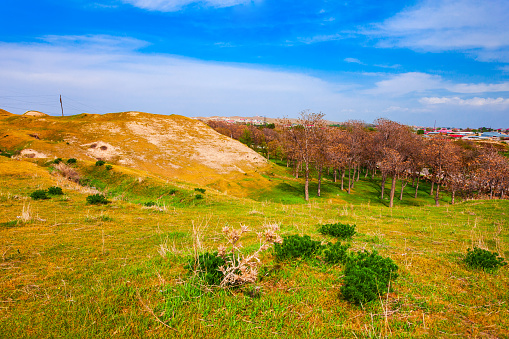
<point>336,253</point>
<point>338,230</point>
<point>39,195</point>
<point>149,204</point>
<point>8,224</point>
<point>295,246</point>
<point>201,190</point>
<point>54,190</point>
<point>483,259</point>
<point>99,163</point>
<point>109,167</point>
<point>71,161</point>
<point>207,266</point>
<point>97,199</point>
<point>367,276</point>
<point>26,214</point>
<point>198,196</point>
<point>68,172</point>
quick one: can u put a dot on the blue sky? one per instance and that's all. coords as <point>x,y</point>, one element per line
<point>411,61</point>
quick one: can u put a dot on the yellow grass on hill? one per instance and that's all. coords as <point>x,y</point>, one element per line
<point>173,147</point>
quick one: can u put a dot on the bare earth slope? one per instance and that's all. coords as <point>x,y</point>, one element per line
<point>173,146</point>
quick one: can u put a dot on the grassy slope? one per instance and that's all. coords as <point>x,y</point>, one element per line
<point>77,270</point>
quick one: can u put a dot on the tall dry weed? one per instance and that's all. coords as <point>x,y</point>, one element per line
<point>26,214</point>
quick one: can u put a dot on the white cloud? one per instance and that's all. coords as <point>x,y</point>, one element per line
<point>354,60</point>
<point>479,88</point>
<point>320,38</point>
<point>480,27</point>
<point>476,101</point>
<point>405,83</point>
<point>175,5</point>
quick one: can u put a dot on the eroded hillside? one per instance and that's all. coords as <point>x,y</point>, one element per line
<point>174,147</point>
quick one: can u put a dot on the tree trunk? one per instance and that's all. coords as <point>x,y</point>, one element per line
<point>373,174</point>
<point>287,162</point>
<point>367,171</point>
<point>452,197</point>
<point>384,177</point>
<point>353,177</point>
<point>306,186</point>
<point>502,194</point>
<point>349,180</point>
<point>432,187</point>
<point>335,175</point>
<point>491,192</point>
<point>358,172</point>
<point>319,180</point>
<point>417,186</point>
<point>436,195</point>
<point>393,189</point>
<point>296,170</point>
<point>343,180</point>
<point>403,185</point>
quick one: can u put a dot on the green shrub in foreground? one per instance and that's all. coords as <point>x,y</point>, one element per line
<point>54,190</point>
<point>39,195</point>
<point>97,199</point>
<point>71,161</point>
<point>201,190</point>
<point>109,167</point>
<point>367,275</point>
<point>99,163</point>
<point>483,259</point>
<point>207,265</point>
<point>338,230</point>
<point>295,246</point>
<point>336,253</point>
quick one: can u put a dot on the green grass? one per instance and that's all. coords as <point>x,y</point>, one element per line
<point>82,271</point>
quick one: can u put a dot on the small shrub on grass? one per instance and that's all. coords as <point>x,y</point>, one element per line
<point>172,191</point>
<point>338,230</point>
<point>99,163</point>
<point>207,265</point>
<point>71,161</point>
<point>483,259</point>
<point>97,199</point>
<point>54,190</point>
<point>57,160</point>
<point>201,190</point>
<point>109,167</point>
<point>149,204</point>
<point>336,253</point>
<point>198,196</point>
<point>39,195</point>
<point>294,246</point>
<point>367,275</point>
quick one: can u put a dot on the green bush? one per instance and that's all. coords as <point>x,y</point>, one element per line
<point>338,230</point>
<point>483,259</point>
<point>201,190</point>
<point>198,196</point>
<point>207,265</point>
<point>97,199</point>
<point>295,246</point>
<point>336,253</point>
<point>53,190</point>
<point>172,191</point>
<point>57,160</point>
<point>39,195</point>
<point>71,161</point>
<point>99,163</point>
<point>149,204</point>
<point>109,167</point>
<point>367,275</point>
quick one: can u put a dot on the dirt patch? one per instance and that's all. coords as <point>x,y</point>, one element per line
<point>35,114</point>
<point>31,153</point>
<point>103,151</point>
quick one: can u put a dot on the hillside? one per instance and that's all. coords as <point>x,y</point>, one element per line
<point>174,147</point>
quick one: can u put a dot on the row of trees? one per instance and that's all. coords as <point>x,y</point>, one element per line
<point>391,150</point>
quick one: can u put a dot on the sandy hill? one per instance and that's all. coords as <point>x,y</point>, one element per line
<point>174,147</point>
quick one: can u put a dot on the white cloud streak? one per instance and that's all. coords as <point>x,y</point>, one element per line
<point>176,5</point>
<point>479,27</point>
<point>476,101</point>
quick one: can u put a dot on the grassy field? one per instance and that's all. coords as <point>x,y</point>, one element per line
<point>74,270</point>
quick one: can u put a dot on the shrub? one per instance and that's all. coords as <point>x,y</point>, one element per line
<point>57,160</point>
<point>294,246</point>
<point>39,195</point>
<point>336,253</point>
<point>149,204</point>
<point>338,230</point>
<point>207,265</point>
<point>201,190</point>
<point>99,163</point>
<point>109,167</point>
<point>172,191</point>
<point>198,196</point>
<point>97,199</point>
<point>53,190</point>
<point>71,161</point>
<point>483,259</point>
<point>367,275</point>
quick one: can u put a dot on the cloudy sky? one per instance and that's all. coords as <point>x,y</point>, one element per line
<point>415,62</point>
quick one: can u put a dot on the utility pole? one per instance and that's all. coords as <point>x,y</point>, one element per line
<point>61,106</point>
